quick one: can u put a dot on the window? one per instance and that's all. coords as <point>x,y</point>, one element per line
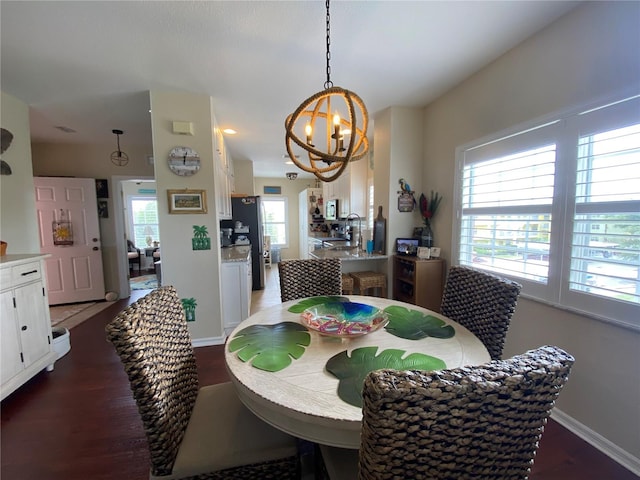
<point>275,220</point>
<point>144,221</point>
<point>557,208</point>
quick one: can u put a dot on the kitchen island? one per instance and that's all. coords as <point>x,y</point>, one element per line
<point>353,260</point>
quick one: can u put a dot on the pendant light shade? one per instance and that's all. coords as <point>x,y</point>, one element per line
<point>118,157</point>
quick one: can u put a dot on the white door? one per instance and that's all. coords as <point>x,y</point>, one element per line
<point>74,272</point>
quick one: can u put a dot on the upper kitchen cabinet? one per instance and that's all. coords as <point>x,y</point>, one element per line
<point>350,190</point>
<point>223,176</point>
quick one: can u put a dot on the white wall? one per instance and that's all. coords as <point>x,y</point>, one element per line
<point>194,273</point>
<point>398,148</point>
<point>590,53</point>
<point>18,220</point>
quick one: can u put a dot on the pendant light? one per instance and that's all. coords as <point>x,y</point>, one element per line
<point>331,126</point>
<point>118,157</point>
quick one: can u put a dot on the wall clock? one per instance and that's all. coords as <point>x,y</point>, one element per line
<point>184,161</point>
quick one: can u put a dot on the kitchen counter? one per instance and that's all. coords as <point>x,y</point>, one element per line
<point>239,253</point>
<point>346,255</point>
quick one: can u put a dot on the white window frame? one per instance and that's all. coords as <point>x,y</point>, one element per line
<point>563,129</point>
<point>131,224</point>
<point>285,200</point>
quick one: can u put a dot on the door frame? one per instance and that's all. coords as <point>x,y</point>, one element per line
<point>124,290</point>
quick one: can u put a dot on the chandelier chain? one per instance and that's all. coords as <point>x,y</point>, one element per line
<point>328,83</point>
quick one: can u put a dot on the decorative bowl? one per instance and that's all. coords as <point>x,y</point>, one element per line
<point>344,319</point>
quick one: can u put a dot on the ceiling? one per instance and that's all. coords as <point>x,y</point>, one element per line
<point>88,65</point>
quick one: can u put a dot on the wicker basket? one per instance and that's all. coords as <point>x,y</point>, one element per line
<point>3,248</point>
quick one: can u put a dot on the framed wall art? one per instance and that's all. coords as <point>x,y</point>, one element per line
<point>102,188</point>
<point>272,190</point>
<point>187,201</point>
<point>103,209</point>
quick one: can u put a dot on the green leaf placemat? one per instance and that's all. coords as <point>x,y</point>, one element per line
<point>271,346</point>
<point>351,371</point>
<point>414,325</point>
<point>312,301</point>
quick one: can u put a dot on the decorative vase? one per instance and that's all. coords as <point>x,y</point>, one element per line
<point>426,237</point>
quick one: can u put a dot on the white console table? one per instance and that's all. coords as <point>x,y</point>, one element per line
<point>25,326</point>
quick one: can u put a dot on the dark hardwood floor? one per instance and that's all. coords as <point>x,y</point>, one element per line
<point>80,421</point>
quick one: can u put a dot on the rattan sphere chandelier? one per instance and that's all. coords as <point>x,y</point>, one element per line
<point>330,139</point>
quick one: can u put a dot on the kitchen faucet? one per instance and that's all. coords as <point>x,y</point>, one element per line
<point>359,239</point>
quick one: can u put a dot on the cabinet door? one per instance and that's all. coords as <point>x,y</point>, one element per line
<point>223,175</point>
<point>231,294</point>
<point>33,321</point>
<point>358,190</point>
<point>246,284</point>
<point>9,339</point>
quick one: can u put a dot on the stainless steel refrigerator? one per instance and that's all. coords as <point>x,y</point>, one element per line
<point>248,211</point>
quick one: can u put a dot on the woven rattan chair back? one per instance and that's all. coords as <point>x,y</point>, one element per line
<point>154,344</point>
<point>478,423</point>
<point>309,278</point>
<point>483,303</point>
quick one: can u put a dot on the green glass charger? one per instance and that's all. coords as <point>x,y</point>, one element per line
<point>271,347</point>
<point>415,325</point>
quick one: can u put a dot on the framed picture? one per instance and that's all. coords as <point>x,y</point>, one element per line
<point>187,201</point>
<point>103,209</point>
<point>406,202</point>
<point>102,188</point>
<point>268,190</point>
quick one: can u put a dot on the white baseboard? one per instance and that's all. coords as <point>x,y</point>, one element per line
<point>207,342</point>
<point>596,440</point>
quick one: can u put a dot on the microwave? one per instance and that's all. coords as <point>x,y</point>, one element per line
<point>331,210</point>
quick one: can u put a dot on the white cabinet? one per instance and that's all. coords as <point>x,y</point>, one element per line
<point>236,293</point>
<point>350,190</point>
<point>25,325</point>
<point>358,188</point>
<point>224,180</point>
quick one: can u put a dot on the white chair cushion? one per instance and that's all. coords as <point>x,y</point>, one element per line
<point>132,254</point>
<point>156,254</point>
<point>223,433</point>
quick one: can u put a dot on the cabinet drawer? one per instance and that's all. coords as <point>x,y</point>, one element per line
<point>26,273</point>
<point>5,278</point>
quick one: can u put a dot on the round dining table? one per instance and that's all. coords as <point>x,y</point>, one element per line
<point>302,399</point>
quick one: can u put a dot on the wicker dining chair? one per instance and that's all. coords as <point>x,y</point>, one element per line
<point>309,278</point>
<point>478,423</point>
<point>482,302</point>
<point>192,432</point>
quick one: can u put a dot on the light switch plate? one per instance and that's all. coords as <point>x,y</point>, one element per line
<point>183,128</point>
